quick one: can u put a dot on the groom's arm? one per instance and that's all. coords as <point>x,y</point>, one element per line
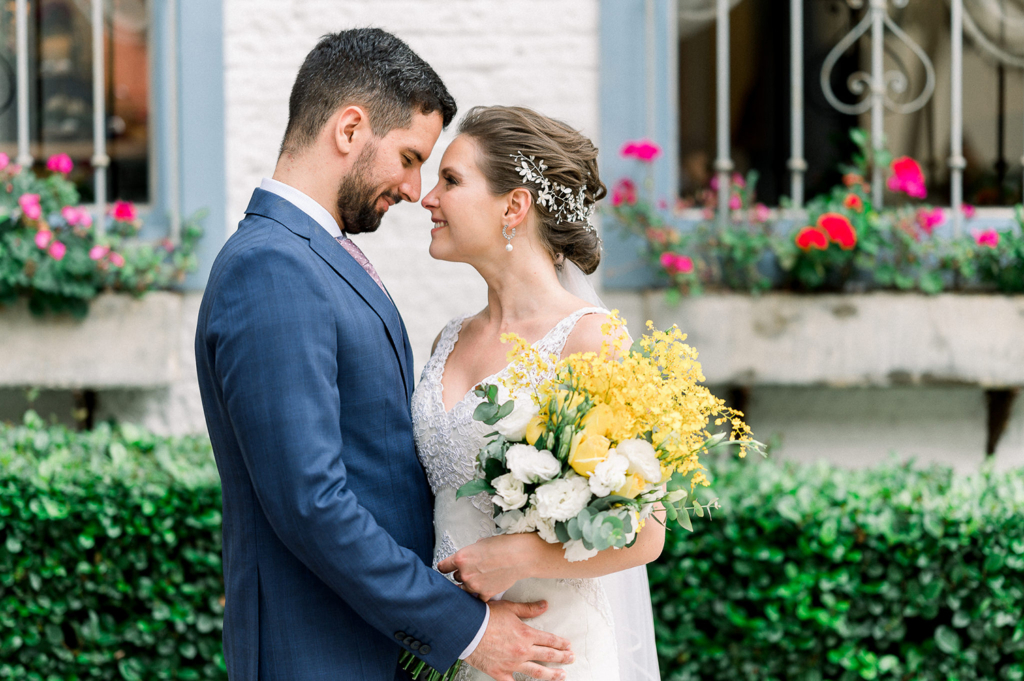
<point>276,359</point>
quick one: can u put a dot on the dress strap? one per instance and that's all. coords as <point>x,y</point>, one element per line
<point>554,341</point>
<point>445,344</point>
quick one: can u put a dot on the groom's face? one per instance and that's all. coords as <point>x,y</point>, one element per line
<point>386,171</point>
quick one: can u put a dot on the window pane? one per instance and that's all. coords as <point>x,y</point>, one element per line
<point>760,97</point>
<point>60,91</point>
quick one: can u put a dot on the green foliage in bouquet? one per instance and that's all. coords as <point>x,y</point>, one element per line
<point>110,555</point>
<point>811,573</point>
<point>51,254</point>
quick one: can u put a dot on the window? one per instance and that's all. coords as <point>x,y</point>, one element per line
<point>61,91</point>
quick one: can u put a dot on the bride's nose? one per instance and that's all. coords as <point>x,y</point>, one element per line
<point>430,200</point>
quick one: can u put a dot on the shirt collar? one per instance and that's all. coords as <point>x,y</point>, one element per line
<point>304,203</point>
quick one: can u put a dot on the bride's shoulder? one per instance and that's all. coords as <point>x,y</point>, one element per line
<point>590,331</point>
<point>453,324</point>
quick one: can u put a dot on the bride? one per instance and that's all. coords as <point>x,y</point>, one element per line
<point>531,241</point>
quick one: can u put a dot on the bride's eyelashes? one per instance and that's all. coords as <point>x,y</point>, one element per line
<point>449,180</point>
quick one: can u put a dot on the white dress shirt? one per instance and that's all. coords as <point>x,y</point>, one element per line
<point>324,218</point>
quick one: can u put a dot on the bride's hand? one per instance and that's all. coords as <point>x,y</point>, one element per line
<point>492,565</point>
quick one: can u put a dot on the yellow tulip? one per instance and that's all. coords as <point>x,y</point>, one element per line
<point>586,451</point>
<point>562,399</point>
<point>599,420</point>
<point>534,429</point>
<point>634,485</point>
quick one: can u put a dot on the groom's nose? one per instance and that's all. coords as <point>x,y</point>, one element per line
<point>410,187</point>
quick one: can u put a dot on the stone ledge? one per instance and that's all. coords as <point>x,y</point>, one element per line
<point>874,339</point>
<point>124,342</point>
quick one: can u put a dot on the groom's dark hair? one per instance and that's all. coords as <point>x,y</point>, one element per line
<point>368,67</point>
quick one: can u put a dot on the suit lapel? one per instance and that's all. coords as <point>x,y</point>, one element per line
<point>323,244</point>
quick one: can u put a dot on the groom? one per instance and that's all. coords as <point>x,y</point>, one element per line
<point>306,376</point>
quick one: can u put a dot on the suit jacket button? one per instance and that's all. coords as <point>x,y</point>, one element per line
<point>408,640</point>
<point>424,650</point>
<point>415,645</point>
<point>399,635</point>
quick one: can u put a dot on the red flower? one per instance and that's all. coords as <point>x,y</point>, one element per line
<point>675,263</point>
<point>123,211</point>
<point>988,237</point>
<point>839,229</point>
<point>57,250</point>
<point>853,180</point>
<point>624,192</point>
<point>907,177</point>
<point>811,237</point>
<point>853,202</point>
<point>642,150</point>
<point>968,210</point>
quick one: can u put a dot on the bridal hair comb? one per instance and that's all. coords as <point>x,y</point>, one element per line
<point>566,205</point>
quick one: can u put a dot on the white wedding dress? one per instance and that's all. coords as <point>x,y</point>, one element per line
<point>578,609</point>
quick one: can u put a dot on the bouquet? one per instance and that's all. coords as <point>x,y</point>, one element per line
<point>585,448</point>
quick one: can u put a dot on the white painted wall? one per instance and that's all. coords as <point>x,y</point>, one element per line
<point>537,53</point>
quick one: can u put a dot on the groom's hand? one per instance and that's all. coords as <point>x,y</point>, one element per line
<point>510,646</point>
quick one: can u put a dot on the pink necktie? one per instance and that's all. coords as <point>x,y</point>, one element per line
<point>360,258</point>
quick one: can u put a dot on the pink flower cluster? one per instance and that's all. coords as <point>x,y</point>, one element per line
<point>45,241</point>
<point>642,150</point>
<point>675,263</point>
<point>123,211</point>
<point>30,207</point>
<point>987,237</point>
<point>60,163</point>
<point>624,192</point>
<point>76,217</point>
<point>103,254</point>
<point>928,220</point>
<point>907,177</point>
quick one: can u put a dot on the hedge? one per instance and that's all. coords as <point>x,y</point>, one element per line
<point>809,573</point>
<point>110,568</point>
<point>110,562</point>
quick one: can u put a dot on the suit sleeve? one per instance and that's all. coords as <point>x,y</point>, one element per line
<point>275,358</point>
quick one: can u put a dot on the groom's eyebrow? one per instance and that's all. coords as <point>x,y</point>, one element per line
<point>417,154</point>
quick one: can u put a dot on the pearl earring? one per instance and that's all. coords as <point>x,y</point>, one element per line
<point>508,246</point>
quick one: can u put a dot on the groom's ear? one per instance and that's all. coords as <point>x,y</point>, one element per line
<point>518,206</point>
<point>350,125</point>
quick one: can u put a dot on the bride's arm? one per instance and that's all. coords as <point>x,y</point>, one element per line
<point>493,565</point>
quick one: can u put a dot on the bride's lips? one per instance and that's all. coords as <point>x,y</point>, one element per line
<point>438,224</point>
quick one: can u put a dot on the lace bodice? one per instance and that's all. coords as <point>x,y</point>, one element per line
<point>448,442</point>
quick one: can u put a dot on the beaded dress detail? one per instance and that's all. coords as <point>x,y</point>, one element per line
<point>447,443</point>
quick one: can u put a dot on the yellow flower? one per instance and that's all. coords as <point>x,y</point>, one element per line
<point>562,399</point>
<point>586,451</point>
<point>634,485</point>
<point>600,420</point>
<point>535,428</point>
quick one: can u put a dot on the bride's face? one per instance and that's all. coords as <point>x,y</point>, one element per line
<point>466,216</point>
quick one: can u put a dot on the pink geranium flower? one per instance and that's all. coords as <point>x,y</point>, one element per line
<point>968,210</point>
<point>30,206</point>
<point>761,213</point>
<point>642,150</point>
<point>76,217</point>
<point>57,250</point>
<point>739,181</point>
<point>117,259</point>
<point>988,237</point>
<point>675,263</point>
<point>735,202</point>
<point>43,238</point>
<point>928,220</point>
<point>60,163</point>
<point>811,237</point>
<point>98,252</point>
<point>5,160</point>
<point>624,192</point>
<point>123,211</point>
<point>907,177</point>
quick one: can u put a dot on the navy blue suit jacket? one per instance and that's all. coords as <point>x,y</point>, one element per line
<point>306,378</point>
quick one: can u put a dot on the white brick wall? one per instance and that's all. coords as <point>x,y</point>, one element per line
<point>537,53</point>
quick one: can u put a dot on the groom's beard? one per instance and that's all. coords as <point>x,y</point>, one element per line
<point>357,197</point>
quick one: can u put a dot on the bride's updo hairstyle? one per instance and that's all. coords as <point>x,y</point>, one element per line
<point>503,132</point>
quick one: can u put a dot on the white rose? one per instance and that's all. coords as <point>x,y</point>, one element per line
<point>563,498</point>
<point>510,492</point>
<point>545,527</point>
<point>609,475</point>
<point>513,522</point>
<point>575,551</point>
<point>531,465</point>
<point>643,459</point>
<point>513,426</point>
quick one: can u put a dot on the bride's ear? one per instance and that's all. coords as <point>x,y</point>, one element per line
<point>518,206</point>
